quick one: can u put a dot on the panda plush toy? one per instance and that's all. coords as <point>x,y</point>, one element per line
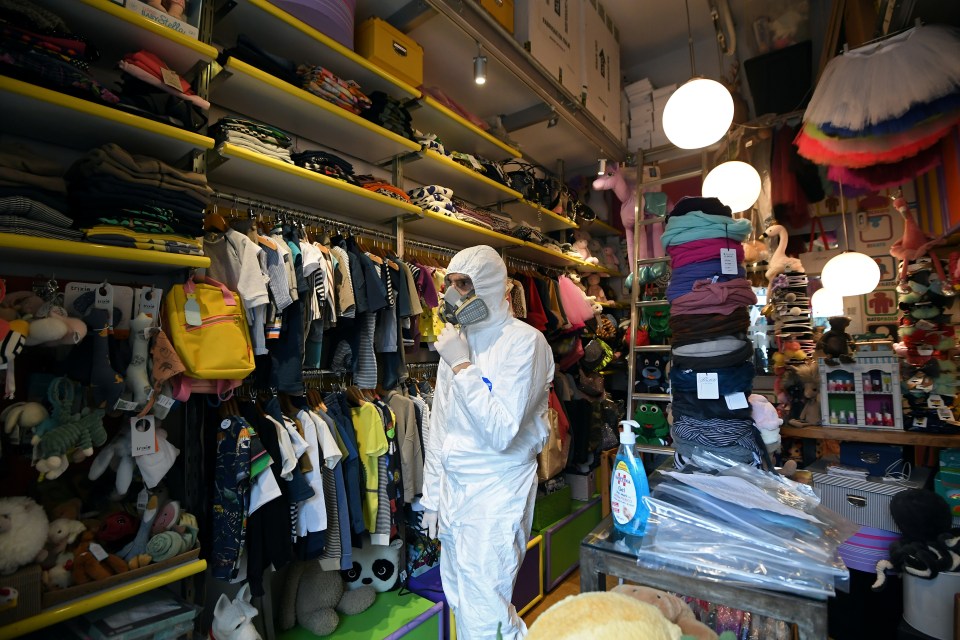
<point>374,565</point>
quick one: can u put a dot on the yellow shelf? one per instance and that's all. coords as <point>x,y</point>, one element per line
<point>130,32</point>
<point>537,253</point>
<point>274,178</point>
<point>291,38</point>
<point>456,133</point>
<point>100,599</point>
<point>441,228</point>
<point>303,114</point>
<point>29,249</point>
<point>430,167</point>
<point>600,228</point>
<point>80,124</point>
<point>537,216</point>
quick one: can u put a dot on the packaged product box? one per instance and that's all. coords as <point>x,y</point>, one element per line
<point>188,24</point>
<point>551,31</point>
<point>392,50</point>
<point>600,64</point>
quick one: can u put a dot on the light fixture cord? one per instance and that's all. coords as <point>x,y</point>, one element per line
<point>693,57</point>
<point>843,216</point>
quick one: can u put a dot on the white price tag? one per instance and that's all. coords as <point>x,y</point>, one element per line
<point>143,436</point>
<point>934,401</point>
<point>104,299</point>
<point>944,413</point>
<point>191,311</point>
<point>708,386</point>
<point>736,400</point>
<point>125,405</point>
<point>142,499</point>
<point>728,262</point>
<point>148,301</point>
<point>98,552</point>
<point>165,401</point>
<point>920,423</point>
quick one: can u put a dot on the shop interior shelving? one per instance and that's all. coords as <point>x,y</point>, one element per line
<point>80,124</point>
<point>430,167</point>
<point>537,216</point>
<point>302,113</point>
<point>21,248</point>
<point>272,178</point>
<point>881,436</point>
<point>457,133</point>
<point>435,226</point>
<point>130,32</point>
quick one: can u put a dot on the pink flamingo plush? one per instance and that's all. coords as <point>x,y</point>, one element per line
<point>626,192</point>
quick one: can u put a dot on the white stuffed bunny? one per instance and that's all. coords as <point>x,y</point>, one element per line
<point>121,449</point>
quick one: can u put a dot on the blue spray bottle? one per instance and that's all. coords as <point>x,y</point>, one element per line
<point>628,485</point>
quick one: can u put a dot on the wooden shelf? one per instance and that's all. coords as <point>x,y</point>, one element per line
<point>436,226</point>
<point>80,124</point>
<point>598,227</point>
<point>287,36</point>
<point>99,599</point>
<point>254,93</point>
<point>884,436</point>
<point>30,249</point>
<point>274,178</point>
<point>430,167</point>
<point>536,216</point>
<point>129,32</point>
<point>456,133</point>
<point>653,396</point>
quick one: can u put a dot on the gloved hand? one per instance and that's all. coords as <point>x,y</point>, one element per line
<point>452,347</point>
<point>429,522</point>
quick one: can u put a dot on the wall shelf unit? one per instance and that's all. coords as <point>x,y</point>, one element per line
<point>276,179</point>
<point>437,226</point>
<point>303,114</point>
<point>537,216</point>
<point>80,124</point>
<point>129,32</point>
<point>291,38</point>
<point>456,133</point>
<point>22,248</point>
<point>430,167</point>
<point>883,436</point>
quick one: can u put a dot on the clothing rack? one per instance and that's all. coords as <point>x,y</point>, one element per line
<point>299,215</point>
<point>422,369</point>
<point>520,263</point>
<point>430,247</point>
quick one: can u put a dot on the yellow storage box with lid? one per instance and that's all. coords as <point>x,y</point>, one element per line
<point>501,11</point>
<point>394,52</point>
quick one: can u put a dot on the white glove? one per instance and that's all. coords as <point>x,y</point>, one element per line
<point>429,522</point>
<point>452,347</point>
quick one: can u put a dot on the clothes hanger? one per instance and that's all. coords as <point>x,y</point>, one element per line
<point>213,221</point>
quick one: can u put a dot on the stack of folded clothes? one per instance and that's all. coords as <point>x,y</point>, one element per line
<point>325,163</point>
<point>325,84</point>
<point>390,114</point>
<point>137,201</point>
<point>33,195</point>
<point>434,198</point>
<point>484,217</point>
<point>429,141</point>
<point>253,136</point>
<point>36,46</point>
<point>370,183</point>
<point>146,93</point>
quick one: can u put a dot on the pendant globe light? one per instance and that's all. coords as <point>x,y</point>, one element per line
<point>700,111</point>
<point>851,273</point>
<point>736,184</point>
<point>826,304</point>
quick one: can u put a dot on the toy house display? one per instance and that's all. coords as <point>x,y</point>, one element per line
<point>865,393</point>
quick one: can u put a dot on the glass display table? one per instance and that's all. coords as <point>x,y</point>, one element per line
<point>607,552</point>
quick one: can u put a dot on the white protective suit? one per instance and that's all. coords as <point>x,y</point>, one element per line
<point>480,472</point>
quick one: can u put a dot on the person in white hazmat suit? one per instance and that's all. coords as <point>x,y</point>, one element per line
<point>487,426</point>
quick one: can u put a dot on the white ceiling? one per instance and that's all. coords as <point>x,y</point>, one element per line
<point>650,28</point>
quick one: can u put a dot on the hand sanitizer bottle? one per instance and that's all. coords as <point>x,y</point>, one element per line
<point>628,486</point>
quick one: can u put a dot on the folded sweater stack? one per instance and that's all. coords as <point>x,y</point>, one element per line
<point>253,136</point>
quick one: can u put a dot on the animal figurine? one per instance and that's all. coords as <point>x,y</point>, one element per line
<point>313,598</point>
<point>233,619</point>
<point>626,192</point>
<point>23,532</point>
<point>780,262</point>
<point>836,343</point>
<point>673,609</point>
<point>610,258</point>
<point>62,533</point>
<point>914,243</point>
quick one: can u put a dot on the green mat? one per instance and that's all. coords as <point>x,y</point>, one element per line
<point>390,612</point>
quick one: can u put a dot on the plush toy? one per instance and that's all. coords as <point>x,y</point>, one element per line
<point>116,454</point>
<point>375,565</point>
<point>626,192</point>
<point>60,573</point>
<point>601,614</point>
<point>117,527</point>
<point>313,598</point>
<point>652,373</point>
<point>138,545</point>
<point>779,261</point>
<point>23,532</point>
<point>594,289</point>
<point>836,343</point>
<point>64,431</point>
<point>137,380</point>
<point>233,619</point>
<point>914,243</point>
<point>929,544</point>
<point>581,244</point>
<point>653,424</point>
<point>807,378</point>
<point>21,418</point>
<point>673,609</point>
<point>792,351</point>
<point>86,566</point>
<point>610,258</point>
<point>767,420</point>
<point>62,532</point>
<point>596,247</point>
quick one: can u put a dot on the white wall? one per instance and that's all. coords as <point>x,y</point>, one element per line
<point>674,66</point>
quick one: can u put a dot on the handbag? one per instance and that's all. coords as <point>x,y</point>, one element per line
<point>552,460</point>
<point>207,325</point>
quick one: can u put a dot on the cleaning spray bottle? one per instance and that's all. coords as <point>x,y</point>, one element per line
<point>628,486</point>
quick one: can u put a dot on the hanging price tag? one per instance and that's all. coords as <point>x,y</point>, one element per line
<point>944,413</point>
<point>143,436</point>
<point>125,405</point>
<point>148,301</point>
<point>165,401</point>
<point>934,401</point>
<point>97,552</point>
<point>920,423</point>
<point>736,400</point>
<point>142,499</point>
<point>191,311</point>
<point>171,79</point>
<point>708,386</point>
<point>728,262</point>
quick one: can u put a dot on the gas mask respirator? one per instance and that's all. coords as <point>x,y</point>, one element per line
<point>463,309</point>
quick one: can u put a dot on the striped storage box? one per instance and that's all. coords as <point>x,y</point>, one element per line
<point>866,548</point>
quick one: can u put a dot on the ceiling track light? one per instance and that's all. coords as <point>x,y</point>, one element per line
<point>480,67</point>
<point>601,166</point>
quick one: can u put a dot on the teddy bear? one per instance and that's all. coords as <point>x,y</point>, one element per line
<point>23,532</point>
<point>836,343</point>
<point>594,289</point>
<point>86,566</point>
<point>313,597</point>
<point>610,258</point>
<point>581,244</point>
<point>673,609</point>
<point>233,619</point>
<point>601,614</point>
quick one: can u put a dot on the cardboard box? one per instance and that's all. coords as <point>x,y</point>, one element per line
<point>387,47</point>
<point>551,31</point>
<point>501,10</point>
<point>187,25</point>
<point>600,64</point>
<point>582,487</point>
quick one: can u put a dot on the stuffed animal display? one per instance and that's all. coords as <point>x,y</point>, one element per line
<point>313,598</point>
<point>233,619</point>
<point>581,244</point>
<point>652,374</point>
<point>24,529</point>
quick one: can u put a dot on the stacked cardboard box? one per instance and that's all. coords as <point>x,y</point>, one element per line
<point>646,114</point>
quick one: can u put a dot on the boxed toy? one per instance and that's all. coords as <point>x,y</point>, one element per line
<point>183,16</point>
